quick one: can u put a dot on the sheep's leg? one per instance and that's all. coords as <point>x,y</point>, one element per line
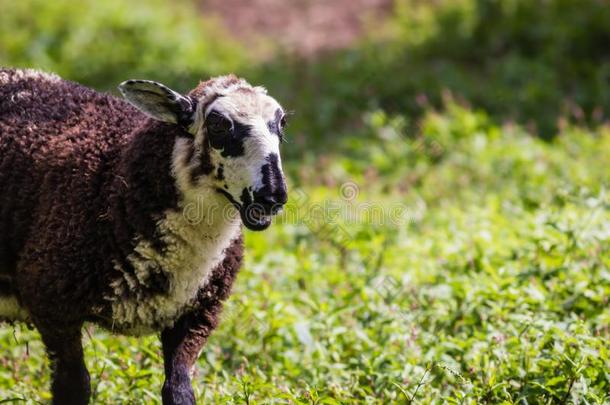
<point>183,342</point>
<point>181,347</point>
<point>70,376</point>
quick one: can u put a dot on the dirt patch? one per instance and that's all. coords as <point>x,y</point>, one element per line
<point>302,26</point>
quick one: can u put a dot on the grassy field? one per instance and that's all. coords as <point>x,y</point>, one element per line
<point>468,264</point>
<point>447,238</point>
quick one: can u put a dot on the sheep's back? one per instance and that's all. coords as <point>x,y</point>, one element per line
<point>57,141</point>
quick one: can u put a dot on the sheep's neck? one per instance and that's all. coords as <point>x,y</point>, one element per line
<point>148,185</point>
<point>175,236</point>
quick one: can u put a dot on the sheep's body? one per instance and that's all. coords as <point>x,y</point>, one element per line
<point>76,226</point>
<point>130,222</point>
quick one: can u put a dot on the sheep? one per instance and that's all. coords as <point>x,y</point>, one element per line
<point>97,196</point>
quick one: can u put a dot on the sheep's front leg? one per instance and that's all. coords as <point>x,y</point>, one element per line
<point>70,380</point>
<point>183,342</point>
<point>181,347</point>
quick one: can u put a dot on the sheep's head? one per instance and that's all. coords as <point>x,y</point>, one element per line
<point>232,144</point>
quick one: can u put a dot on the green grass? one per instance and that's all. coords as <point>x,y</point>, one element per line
<point>479,273</point>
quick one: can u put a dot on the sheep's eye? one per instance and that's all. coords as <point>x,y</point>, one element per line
<point>281,126</point>
<point>218,123</point>
<point>219,128</point>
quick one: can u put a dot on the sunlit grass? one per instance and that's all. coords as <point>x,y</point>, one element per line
<point>492,287</point>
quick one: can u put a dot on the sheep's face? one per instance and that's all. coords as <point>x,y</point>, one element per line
<point>236,131</point>
<point>242,131</point>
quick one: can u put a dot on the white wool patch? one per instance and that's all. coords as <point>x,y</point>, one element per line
<point>192,252</point>
<point>11,310</point>
<point>195,236</point>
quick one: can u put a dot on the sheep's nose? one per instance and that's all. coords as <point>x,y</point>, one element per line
<point>272,203</point>
<point>280,197</point>
<point>273,194</point>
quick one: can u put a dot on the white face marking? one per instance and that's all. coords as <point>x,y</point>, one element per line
<point>258,146</point>
<point>254,111</point>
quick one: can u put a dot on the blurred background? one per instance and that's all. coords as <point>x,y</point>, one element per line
<point>447,237</point>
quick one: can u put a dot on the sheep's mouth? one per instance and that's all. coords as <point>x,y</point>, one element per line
<point>253,216</point>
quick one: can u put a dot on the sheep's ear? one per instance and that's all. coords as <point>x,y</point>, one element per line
<point>159,101</point>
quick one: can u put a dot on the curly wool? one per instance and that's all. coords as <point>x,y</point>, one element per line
<point>85,182</point>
